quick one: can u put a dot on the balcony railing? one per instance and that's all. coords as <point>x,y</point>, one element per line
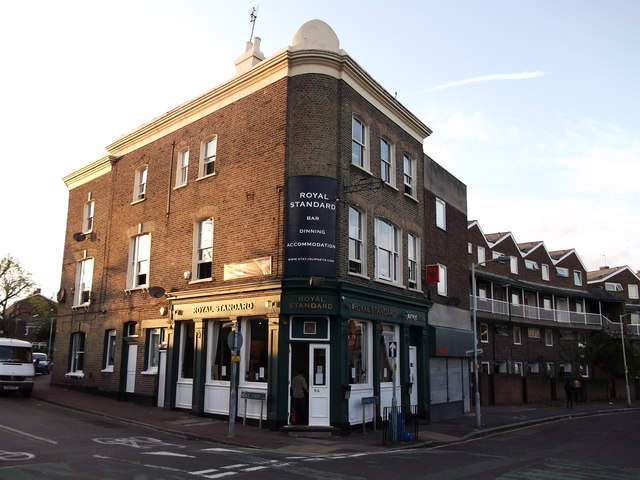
<point>536,313</point>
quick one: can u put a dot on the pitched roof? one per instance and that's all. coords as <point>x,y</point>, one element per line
<point>605,273</point>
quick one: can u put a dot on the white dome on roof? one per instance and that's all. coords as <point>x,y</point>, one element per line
<point>315,35</point>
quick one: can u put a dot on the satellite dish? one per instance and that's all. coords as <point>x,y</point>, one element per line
<point>156,292</point>
<point>79,237</point>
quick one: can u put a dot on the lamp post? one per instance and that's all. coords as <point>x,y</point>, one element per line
<point>624,359</point>
<point>501,259</point>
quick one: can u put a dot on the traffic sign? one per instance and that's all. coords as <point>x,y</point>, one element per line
<point>470,353</point>
<point>393,349</point>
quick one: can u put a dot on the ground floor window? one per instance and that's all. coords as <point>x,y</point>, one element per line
<point>256,337</point>
<point>76,359</point>
<point>187,350</point>
<point>219,352</point>
<point>358,351</point>
<point>387,342</point>
<point>155,338</point>
<point>109,350</point>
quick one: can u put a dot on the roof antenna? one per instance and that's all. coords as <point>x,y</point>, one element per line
<point>253,16</point>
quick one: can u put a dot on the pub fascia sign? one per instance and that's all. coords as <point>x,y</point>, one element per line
<point>237,307</point>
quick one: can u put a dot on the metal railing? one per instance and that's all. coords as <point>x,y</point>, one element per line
<point>537,313</point>
<point>399,424</point>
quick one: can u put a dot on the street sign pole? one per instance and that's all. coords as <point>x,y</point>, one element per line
<point>235,345</point>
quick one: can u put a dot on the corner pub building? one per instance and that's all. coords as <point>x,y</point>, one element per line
<point>281,213</point>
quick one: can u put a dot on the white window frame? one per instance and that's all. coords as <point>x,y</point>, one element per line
<point>513,262</point>
<point>109,350</point>
<point>469,248</point>
<point>481,254</point>
<point>140,185</point>
<point>409,175</point>
<point>562,272</point>
<point>208,157</point>
<point>577,277</point>
<point>387,162</point>
<point>517,335</point>
<point>182,169</point>
<point>483,333</point>
<point>545,272</point>
<point>155,338</point>
<point>88,216</point>
<point>357,242</point>
<point>139,261</point>
<point>633,291</point>
<point>84,282</point>
<point>441,214</point>
<point>366,349</point>
<point>442,280</point>
<point>387,249</point>
<point>413,262</point>
<point>613,287</point>
<point>359,146</point>
<point>76,359</point>
<point>203,249</point>
<point>548,337</point>
<point>531,265</point>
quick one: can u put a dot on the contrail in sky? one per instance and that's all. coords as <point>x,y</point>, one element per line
<point>494,76</point>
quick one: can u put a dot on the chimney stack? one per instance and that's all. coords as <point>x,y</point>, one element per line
<point>250,58</point>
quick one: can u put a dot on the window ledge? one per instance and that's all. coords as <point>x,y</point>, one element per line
<point>359,275</point>
<point>151,371</point>
<point>129,291</point>
<point>107,370</point>
<point>362,169</point>
<point>201,280</point>
<point>207,176</point>
<point>140,200</point>
<point>391,284</point>
<point>179,186</point>
<point>74,374</point>
<point>411,197</point>
<point>389,185</point>
<point>82,305</point>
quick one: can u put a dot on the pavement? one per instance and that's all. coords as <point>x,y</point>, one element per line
<point>183,423</point>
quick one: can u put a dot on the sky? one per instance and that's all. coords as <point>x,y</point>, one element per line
<point>533,104</point>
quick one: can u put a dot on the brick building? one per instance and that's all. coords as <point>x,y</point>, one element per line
<point>534,313</point>
<point>290,209</point>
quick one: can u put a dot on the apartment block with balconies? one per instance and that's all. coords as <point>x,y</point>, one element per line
<point>534,310</point>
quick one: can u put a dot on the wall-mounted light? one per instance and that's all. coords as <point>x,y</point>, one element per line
<point>187,275</point>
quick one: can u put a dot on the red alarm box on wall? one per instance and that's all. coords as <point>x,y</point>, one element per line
<point>432,273</point>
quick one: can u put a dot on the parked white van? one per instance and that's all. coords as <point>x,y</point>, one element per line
<point>16,366</point>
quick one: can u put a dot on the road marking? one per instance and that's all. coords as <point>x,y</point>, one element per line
<point>136,442</point>
<point>34,437</point>
<point>237,465</point>
<point>168,454</point>
<point>220,450</point>
<point>203,472</point>
<point>253,469</point>
<point>15,456</point>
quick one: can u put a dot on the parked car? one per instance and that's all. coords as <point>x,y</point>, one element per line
<point>41,363</point>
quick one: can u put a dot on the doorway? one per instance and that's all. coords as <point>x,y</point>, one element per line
<point>319,385</point>
<point>299,363</point>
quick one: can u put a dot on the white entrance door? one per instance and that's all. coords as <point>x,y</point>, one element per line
<point>413,375</point>
<point>132,356</point>
<point>318,385</point>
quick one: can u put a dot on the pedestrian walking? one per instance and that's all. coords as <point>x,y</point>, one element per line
<point>568,390</point>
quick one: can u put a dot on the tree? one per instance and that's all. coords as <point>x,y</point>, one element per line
<point>14,282</point>
<point>605,352</point>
